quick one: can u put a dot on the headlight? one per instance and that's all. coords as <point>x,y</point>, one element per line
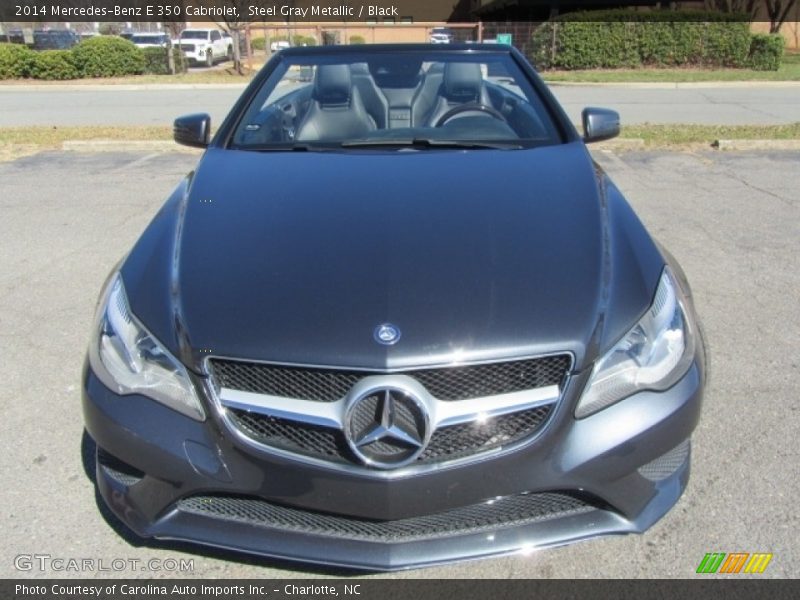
<point>653,355</point>
<point>129,360</point>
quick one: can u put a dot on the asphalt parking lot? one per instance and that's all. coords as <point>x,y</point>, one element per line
<point>731,219</point>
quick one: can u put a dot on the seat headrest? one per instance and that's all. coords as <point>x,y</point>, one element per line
<point>332,84</point>
<point>396,71</point>
<point>463,81</point>
<point>359,69</point>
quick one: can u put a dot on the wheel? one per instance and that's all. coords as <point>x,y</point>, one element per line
<point>209,58</point>
<point>230,52</point>
<point>474,107</point>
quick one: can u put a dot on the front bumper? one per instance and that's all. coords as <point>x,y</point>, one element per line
<point>617,471</point>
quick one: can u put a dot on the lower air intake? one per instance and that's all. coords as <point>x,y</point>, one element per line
<point>504,511</point>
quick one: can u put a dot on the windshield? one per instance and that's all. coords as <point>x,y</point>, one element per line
<point>421,99</point>
<point>194,35</point>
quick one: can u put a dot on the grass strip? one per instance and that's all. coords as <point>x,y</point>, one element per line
<point>52,137</point>
<point>678,135</point>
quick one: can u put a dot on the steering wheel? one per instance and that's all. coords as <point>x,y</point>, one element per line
<point>472,107</point>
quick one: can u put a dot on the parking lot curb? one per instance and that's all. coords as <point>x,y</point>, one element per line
<point>620,144</point>
<point>170,146</point>
<point>756,144</point>
<point>126,146</point>
<point>609,145</point>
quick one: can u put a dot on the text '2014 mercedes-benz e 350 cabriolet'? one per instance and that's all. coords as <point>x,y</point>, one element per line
<point>395,317</point>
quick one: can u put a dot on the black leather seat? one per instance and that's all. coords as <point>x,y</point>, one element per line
<point>336,111</point>
<point>374,101</point>
<point>462,83</point>
<point>427,95</point>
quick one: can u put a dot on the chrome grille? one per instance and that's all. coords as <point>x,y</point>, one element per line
<point>302,410</point>
<point>446,383</point>
<point>517,510</point>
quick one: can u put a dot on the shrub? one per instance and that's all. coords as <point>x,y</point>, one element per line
<point>156,61</point>
<point>624,38</point>
<point>303,40</point>
<point>54,64</point>
<point>15,61</point>
<point>357,39</point>
<point>259,43</point>
<point>593,45</point>
<point>766,51</point>
<point>108,56</point>
<point>726,44</point>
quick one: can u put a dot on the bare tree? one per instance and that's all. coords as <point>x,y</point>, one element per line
<point>173,30</point>
<point>235,24</point>
<point>778,12</point>
<point>747,7</point>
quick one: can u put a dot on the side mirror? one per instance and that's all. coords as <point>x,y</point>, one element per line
<point>599,124</point>
<point>192,130</point>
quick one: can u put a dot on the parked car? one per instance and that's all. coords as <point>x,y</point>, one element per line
<point>54,39</point>
<point>441,35</point>
<point>396,316</point>
<point>206,46</point>
<point>16,36</point>
<point>279,45</point>
<point>150,40</point>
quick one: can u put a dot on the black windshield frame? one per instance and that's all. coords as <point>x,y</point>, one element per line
<point>564,131</point>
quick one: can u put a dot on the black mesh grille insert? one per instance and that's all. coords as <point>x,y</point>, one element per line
<point>300,438</point>
<point>500,512</point>
<point>290,382</point>
<point>446,443</point>
<point>466,439</point>
<point>446,383</point>
<point>117,469</point>
<point>477,381</point>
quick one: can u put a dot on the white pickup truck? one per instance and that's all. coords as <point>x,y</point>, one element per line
<point>206,46</point>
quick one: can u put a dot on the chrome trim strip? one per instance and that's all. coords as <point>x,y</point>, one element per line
<point>327,414</point>
<point>443,414</point>
<point>453,413</point>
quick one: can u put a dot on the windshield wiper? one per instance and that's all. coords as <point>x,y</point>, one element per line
<point>296,147</point>
<point>431,143</point>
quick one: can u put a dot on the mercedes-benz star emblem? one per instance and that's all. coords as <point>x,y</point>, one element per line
<point>387,427</point>
<point>387,334</point>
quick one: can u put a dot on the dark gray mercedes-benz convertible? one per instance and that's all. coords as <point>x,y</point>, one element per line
<point>395,317</point>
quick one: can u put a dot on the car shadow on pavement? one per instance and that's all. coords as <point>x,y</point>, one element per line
<point>89,462</point>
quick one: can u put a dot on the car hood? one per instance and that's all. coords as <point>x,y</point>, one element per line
<point>474,255</point>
